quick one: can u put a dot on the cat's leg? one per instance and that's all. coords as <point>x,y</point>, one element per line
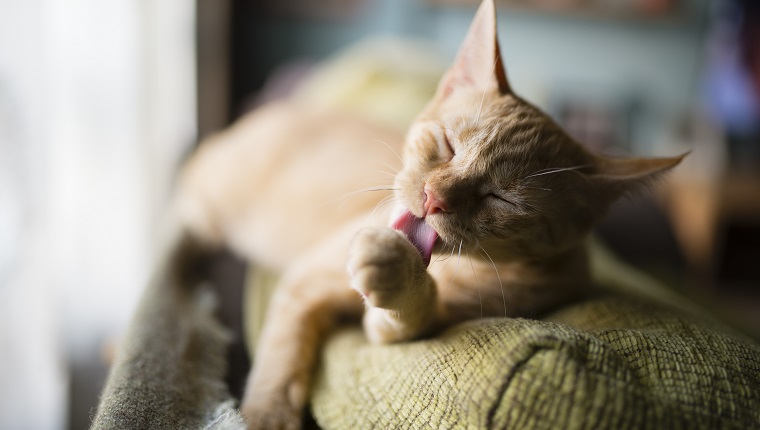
<point>388,271</point>
<point>301,314</point>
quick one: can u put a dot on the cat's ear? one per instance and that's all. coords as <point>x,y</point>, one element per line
<point>478,64</point>
<point>618,176</point>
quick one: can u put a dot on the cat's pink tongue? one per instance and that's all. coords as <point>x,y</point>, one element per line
<point>418,232</point>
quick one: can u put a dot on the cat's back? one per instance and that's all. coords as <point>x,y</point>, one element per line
<point>279,179</point>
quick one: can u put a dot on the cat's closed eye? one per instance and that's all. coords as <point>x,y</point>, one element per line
<point>446,147</point>
<point>502,200</point>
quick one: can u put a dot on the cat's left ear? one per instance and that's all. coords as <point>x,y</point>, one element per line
<point>618,176</point>
<point>478,64</point>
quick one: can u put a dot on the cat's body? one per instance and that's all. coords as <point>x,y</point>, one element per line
<point>490,190</point>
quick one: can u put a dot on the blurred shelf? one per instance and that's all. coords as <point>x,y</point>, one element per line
<point>718,226</point>
<point>740,196</point>
<point>646,11</point>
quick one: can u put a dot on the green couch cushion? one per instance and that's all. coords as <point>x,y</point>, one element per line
<point>609,362</point>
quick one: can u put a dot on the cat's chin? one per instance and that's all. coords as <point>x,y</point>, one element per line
<point>418,231</point>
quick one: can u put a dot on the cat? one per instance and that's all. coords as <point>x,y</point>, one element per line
<point>487,181</point>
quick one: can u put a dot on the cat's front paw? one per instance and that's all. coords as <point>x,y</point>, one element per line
<point>386,269</point>
<point>389,272</point>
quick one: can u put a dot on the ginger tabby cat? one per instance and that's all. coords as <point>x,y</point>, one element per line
<point>487,181</point>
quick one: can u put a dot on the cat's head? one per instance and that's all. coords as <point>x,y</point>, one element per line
<point>482,167</point>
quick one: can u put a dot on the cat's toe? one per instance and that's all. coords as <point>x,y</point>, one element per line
<point>384,266</point>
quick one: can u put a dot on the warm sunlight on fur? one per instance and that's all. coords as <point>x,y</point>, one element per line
<point>491,193</point>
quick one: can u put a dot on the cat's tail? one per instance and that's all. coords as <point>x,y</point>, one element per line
<point>170,367</point>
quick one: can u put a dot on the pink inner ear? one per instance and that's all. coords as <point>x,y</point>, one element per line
<point>478,64</point>
<point>419,232</point>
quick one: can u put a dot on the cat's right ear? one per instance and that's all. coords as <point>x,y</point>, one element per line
<point>478,64</point>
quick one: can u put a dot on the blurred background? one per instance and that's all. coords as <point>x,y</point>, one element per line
<point>100,101</point>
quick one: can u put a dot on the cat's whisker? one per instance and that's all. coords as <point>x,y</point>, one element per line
<point>480,108</point>
<point>437,259</point>
<point>371,181</point>
<point>440,258</point>
<point>385,201</point>
<point>483,97</point>
<point>550,171</point>
<point>447,259</point>
<point>346,197</point>
<point>387,174</point>
<point>532,207</point>
<point>382,203</point>
<point>459,258</point>
<point>537,188</point>
<point>391,168</point>
<point>501,285</point>
<point>368,189</point>
<point>477,285</point>
<point>391,148</point>
<point>453,248</point>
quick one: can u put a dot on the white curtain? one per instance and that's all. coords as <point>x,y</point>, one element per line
<point>97,101</point>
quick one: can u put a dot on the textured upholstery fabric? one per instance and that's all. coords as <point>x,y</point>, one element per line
<point>610,362</point>
<point>636,356</point>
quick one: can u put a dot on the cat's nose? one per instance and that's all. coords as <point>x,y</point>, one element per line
<point>432,203</point>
